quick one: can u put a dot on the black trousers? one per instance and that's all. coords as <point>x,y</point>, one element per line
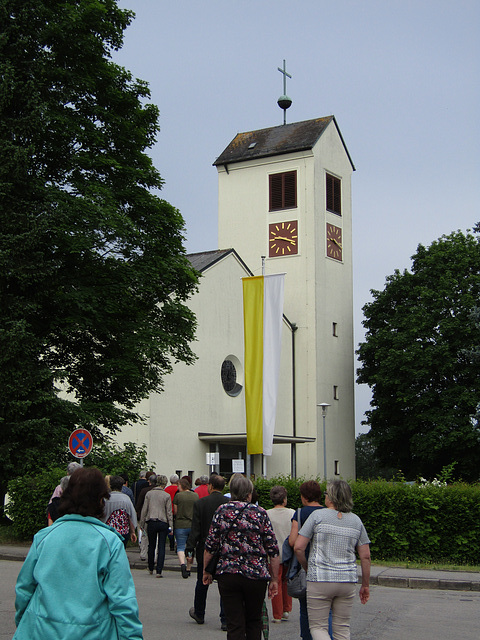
<point>201,590</point>
<point>156,530</point>
<point>242,602</point>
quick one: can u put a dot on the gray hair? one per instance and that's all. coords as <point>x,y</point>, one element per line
<point>64,482</point>
<point>340,495</point>
<point>240,487</point>
<point>161,481</point>
<point>152,479</point>
<point>72,466</point>
<point>174,478</point>
<point>203,480</point>
<point>278,494</point>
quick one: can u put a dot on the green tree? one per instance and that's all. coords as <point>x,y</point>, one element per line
<point>93,273</point>
<point>29,494</point>
<point>425,386</point>
<point>367,464</point>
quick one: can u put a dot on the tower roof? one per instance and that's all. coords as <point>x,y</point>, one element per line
<point>274,141</point>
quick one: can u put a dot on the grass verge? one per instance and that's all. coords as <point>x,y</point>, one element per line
<point>432,566</point>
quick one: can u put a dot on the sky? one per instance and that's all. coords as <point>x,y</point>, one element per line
<point>401,78</point>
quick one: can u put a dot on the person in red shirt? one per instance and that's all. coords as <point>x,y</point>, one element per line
<point>202,488</point>
<point>172,490</point>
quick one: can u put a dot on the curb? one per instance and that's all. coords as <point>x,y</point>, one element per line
<point>142,566</point>
<point>13,556</point>
<point>400,582</point>
<point>444,582</point>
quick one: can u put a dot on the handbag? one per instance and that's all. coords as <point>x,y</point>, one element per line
<point>213,562</point>
<point>296,580</point>
<point>297,585</point>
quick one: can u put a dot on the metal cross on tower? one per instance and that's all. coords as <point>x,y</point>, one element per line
<point>284,101</point>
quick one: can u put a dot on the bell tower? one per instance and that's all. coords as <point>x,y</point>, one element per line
<point>285,193</point>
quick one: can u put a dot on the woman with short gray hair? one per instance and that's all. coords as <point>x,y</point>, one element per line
<point>161,481</point>
<point>240,487</point>
<point>336,534</point>
<point>248,559</point>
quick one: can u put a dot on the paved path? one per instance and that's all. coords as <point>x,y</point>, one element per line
<point>391,613</point>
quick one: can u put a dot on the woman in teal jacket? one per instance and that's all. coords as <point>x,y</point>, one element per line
<point>76,582</point>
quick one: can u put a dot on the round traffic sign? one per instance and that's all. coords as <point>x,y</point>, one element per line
<point>80,443</point>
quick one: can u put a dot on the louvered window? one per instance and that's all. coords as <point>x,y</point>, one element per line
<point>283,190</point>
<point>334,194</point>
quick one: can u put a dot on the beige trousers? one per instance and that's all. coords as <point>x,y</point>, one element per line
<point>143,543</point>
<point>321,596</point>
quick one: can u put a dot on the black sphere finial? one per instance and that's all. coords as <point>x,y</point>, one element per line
<point>284,102</point>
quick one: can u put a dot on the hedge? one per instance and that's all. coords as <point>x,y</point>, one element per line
<point>28,496</point>
<point>407,522</point>
<point>404,522</point>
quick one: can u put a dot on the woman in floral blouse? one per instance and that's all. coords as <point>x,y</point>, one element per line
<point>249,560</point>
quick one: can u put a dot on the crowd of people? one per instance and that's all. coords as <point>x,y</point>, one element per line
<point>247,550</point>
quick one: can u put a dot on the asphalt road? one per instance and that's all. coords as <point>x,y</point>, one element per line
<point>391,614</point>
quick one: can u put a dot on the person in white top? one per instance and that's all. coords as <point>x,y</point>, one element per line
<point>280,517</point>
<point>336,534</point>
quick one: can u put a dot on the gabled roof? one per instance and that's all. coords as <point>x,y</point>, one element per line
<point>205,259</point>
<point>287,138</point>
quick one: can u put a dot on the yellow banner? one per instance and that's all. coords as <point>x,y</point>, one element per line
<point>253,334</point>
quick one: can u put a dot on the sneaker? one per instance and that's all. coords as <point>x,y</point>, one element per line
<point>192,614</point>
<point>159,575</point>
<point>150,572</point>
<point>276,620</point>
<point>185,573</point>
<point>285,615</point>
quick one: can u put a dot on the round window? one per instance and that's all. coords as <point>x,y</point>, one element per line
<point>230,374</point>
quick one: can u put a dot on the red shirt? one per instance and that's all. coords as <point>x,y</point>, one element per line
<point>171,490</point>
<point>202,490</point>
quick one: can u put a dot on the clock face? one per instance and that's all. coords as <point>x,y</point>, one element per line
<point>283,239</point>
<point>334,242</point>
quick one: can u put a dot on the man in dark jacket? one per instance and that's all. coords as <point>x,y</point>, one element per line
<point>203,511</point>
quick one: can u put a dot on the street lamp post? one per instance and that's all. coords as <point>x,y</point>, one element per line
<point>324,406</point>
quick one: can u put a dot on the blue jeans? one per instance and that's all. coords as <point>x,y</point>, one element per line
<point>181,536</point>
<point>156,530</point>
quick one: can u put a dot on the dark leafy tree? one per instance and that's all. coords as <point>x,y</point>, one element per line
<point>473,355</point>
<point>367,464</point>
<point>93,273</point>
<point>417,359</point>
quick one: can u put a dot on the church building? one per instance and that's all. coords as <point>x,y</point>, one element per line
<point>284,206</point>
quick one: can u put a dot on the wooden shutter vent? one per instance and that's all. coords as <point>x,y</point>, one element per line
<point>334,194</point>
<point>283,190</point>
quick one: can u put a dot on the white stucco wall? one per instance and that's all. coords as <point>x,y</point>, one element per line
<point>194,400</point>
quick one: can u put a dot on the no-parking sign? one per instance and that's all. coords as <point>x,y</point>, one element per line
<point>80,443</point>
